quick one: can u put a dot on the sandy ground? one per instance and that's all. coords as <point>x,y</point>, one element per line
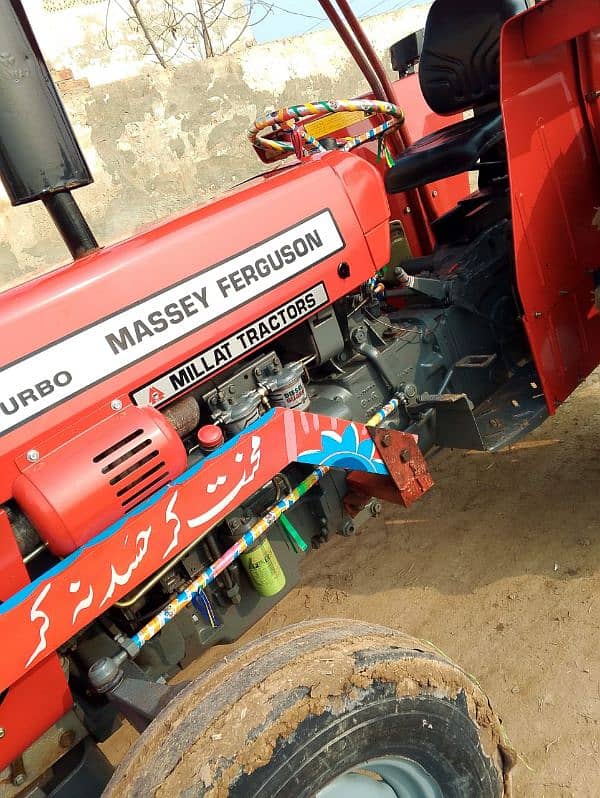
<point>499,566</point>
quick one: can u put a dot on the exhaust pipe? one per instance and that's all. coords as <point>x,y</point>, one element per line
<point>40,158</point>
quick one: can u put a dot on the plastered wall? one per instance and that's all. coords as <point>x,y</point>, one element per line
<point>163,140</point>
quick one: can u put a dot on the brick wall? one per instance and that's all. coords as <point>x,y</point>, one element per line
<point>66,82</point>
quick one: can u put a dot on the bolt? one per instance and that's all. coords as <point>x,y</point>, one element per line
<point>18,779</point>
<point>116,405</point>
<point>232,389</point>
<point>2,732</point>
<point>358,335</point>
<point>434,193</point>
<point>494,422</point>
<point>348,529</point>
<point>386,440</point>
<point>33,455</point>
<point>66,739</point>
<point>375,509</point>
<point>537,315</point>
<point>408,209</point>
<point>405,456</point>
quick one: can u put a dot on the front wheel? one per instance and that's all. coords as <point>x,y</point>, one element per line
<point>324,709</point>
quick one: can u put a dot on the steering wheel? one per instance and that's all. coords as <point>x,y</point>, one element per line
<point>290,137</point>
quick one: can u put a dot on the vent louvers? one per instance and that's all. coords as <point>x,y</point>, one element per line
<point>132,477</point>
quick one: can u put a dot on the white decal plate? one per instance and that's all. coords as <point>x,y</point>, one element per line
<point>63,369</point>
<point>217,357</point>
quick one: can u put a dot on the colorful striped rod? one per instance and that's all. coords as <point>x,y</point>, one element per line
<point>250,537</point>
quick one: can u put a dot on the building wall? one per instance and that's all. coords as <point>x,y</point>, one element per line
<point>101,41</point>
<point>164,140</point>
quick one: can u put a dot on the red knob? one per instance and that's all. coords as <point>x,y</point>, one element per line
<point>210,437</point>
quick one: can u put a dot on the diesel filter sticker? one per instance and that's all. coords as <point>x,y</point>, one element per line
<point>63,369</point>
<point>240,343</point>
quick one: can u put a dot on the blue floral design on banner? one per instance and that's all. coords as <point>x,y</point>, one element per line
<point>345,451</point>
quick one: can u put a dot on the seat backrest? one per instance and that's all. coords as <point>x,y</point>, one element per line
<point>460,66</point>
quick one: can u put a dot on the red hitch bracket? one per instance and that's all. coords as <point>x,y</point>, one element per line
<point>409,475</point>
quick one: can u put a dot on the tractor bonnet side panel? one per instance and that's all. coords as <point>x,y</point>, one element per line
<point>103,332</point>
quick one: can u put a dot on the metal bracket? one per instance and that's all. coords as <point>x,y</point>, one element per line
<point>138,699</point>
<point>409,475</point>
<point>475,361</point>
<point>455,424</point>
<point>360,509</point>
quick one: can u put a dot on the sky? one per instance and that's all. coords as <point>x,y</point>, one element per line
<point>293,17</point>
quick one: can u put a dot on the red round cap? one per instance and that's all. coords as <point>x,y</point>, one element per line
<point>210,436</point>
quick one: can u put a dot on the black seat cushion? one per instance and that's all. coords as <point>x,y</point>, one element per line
<point>449,151</point>
<point>459,66</point>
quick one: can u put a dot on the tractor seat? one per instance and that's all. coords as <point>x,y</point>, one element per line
<point>446,152</point>
<point>459,70</point>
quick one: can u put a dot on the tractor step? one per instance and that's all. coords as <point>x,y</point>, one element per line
<point>517,408</point>
<point>514,410</point>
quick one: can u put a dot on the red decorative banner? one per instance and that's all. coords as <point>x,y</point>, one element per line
<point>40,617</point>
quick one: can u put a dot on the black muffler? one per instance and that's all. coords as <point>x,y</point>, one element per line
<point>40,158</point>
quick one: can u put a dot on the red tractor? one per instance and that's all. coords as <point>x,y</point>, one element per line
<point>184,414</point>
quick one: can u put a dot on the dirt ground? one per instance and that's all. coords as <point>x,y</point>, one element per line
<point>499,566</point>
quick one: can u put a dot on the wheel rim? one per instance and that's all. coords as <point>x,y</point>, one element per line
<point>387,777</point>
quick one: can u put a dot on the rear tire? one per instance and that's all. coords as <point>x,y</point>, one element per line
<point>291,712</point>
